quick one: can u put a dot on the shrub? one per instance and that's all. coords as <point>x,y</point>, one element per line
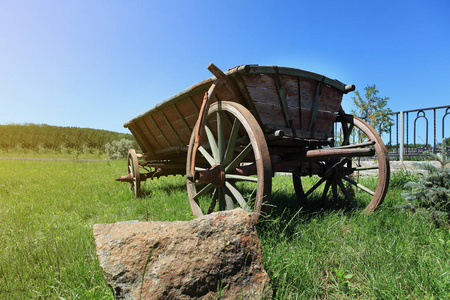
<point>430,194</point>
<point>118,149</point>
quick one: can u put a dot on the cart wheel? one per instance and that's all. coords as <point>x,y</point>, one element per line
<point>232,168</point>
<point>343,175</point>
<point>133,169</point>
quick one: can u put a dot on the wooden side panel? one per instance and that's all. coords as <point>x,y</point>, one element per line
<point>329,104</point>
<point>277,100</point>
<point>262,89</point>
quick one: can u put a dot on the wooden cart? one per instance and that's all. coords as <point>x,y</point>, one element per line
<point>230,133</point>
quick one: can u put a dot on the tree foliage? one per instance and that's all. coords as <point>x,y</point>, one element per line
<point>118,149</point>
<point>42,137</point>
<point>372,109</point>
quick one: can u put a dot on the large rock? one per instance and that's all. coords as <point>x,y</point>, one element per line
<point>214,255</point>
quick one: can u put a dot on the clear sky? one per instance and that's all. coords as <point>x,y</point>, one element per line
<point>99,63</point>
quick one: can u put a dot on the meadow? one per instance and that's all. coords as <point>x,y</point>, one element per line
<point>47,249</point>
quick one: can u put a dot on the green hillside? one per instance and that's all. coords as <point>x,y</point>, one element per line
<point>42,137</point>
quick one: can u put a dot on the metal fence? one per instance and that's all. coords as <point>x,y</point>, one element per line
<point>418,131</point>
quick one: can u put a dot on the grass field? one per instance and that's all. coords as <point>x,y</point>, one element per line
<point>47,250</point>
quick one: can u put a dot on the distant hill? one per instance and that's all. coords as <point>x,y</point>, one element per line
<point>36,137</point>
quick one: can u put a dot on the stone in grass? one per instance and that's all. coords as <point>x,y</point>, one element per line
<point>213,256</point>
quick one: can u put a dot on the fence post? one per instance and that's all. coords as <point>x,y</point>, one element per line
<point>402,133</point>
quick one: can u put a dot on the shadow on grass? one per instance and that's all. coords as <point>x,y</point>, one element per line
<point>284,208</point>
<point>286,211</point>
<point>168,188</point>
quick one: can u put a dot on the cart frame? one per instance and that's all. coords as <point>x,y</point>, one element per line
<point>230,133</point>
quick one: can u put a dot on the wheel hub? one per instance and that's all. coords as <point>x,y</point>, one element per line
<point>214,175</point>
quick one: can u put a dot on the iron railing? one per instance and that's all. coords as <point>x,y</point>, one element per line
<point>409,144</point>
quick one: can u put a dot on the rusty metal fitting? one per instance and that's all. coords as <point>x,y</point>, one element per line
<point>214,175</point>
<point>125,178</point>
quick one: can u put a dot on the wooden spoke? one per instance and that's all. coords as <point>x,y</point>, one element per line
<point>238,197</point>
<point>240,178</point>
<point>232,142</point>
<point>213,203</point>
<point>367,190</point>
<point>220,136</point>
<point>206,189</point>
<point>334,190</point>
<point>207,156</point>
<point>325,191</point>
<point>222,202</point>
<point>239,158</point>
<point>354,134</point>
<point>228,198</point>
<point>213,144</point>
<point>346,193</point>
<point>235,126</point>
<point>314,187</point>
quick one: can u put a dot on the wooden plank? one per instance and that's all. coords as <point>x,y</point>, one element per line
<point>191,100</point>
<point>142,141</point>
<point>172,129</point>
<point>248,102</point>
<point>151,136</point>
<point>158,129</point>
<point>315,107</point>
<point>282,98</point>
<point>167,132</point>
<point>189,112</point>
<point>255,69</point>
<point>178,123</point>
<point>180,116</point>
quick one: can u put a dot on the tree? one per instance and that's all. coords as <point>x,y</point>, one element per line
<point>118,149</point>
<point>373,109</point>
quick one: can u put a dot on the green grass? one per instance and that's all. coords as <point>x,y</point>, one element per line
<point>47,250</point>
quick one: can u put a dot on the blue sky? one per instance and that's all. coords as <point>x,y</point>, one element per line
<point>98,64</point>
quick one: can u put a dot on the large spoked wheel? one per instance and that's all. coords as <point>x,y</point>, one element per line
<point>232,167</point>
<point>361,182</point>
<point>134,185</point>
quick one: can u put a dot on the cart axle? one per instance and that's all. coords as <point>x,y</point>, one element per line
<point>129,178</point>
<point>214,175</point>
<point>125,178</point>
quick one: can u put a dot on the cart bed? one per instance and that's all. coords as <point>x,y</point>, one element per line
<point>302,104</point>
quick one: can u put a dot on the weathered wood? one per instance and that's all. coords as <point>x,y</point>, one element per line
<point>248,102</point>
<point>279,98</point>
<point>321,154</point>
<point>299,96</point>
<point>315,107</point>
<point>142,141</point>
<point>151,136</point>
<point>172,129</point>
<point>180,116</point>
<point>282,99</point>
<point>228,83</point>
<point>159,129</point>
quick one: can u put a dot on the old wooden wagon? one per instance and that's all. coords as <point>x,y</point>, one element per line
<point>230,133</point>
